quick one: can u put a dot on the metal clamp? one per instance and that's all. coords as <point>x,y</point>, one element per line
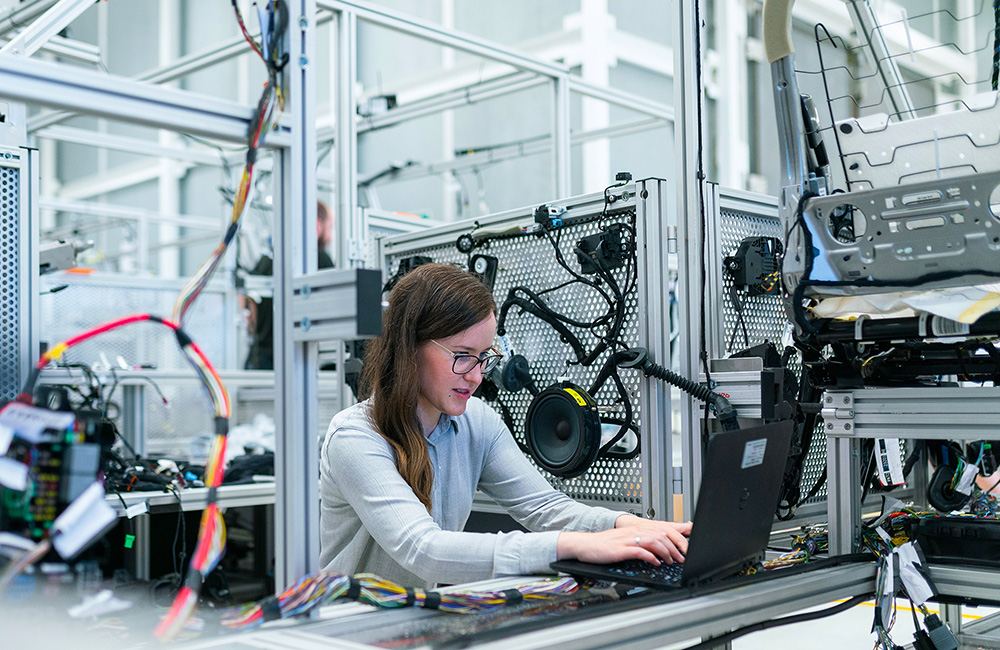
<point>333,304</point>
<point>838,412</point>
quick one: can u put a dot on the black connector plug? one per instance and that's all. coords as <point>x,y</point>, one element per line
<point>602,249</point>
<point>921,641</point>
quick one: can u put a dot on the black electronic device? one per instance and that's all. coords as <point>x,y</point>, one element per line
<point>982,453</point>
<point>516,374</point>
<point>603,249</point>
<point>485,266</point>
<point>563,430</point>
<point>756,264</point>
<point>940,493</point>
<point>732,523</point>
<point>959,540</point>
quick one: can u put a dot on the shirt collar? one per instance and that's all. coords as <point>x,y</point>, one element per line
<point>445,424</point>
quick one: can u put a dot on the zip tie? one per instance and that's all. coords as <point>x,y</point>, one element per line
<point>270,608</point>
<point>513,596</point>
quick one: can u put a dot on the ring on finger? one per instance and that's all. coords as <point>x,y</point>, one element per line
<point>638,542</point>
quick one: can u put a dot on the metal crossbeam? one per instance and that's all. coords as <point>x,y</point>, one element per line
<point>45,27</point>
<point>94,93</point>
<point>428,31</point>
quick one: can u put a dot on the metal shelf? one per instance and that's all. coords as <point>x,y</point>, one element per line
<point>228,496</point>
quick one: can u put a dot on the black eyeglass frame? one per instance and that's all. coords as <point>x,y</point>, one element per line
<point>487,361</point>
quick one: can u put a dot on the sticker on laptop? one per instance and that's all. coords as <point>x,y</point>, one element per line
<point>753,453</point>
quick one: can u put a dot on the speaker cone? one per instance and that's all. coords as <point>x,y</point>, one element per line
<point>563,430</point>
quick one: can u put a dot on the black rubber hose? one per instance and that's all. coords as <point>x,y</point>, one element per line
<point>532,309</point>
<point>724,411</point>
<point>628,416</point>
<point>627,455</point>
<point>609,368</point>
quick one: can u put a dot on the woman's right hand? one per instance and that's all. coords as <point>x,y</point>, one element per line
<point>640,542</point>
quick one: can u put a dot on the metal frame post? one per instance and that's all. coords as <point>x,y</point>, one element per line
<point>296,363</point>
<point>30,237</point>
<point>690,211</point>
<point>560,136</point>
<point>347,137</point>
<point>843,497</point>
<point>652,220</point>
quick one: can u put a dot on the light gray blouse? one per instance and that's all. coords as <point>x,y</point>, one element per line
<point>372,522</point>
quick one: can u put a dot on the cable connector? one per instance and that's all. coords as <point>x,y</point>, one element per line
<point>549,217</point>
<point>921,641</point>
<point>940,634</point>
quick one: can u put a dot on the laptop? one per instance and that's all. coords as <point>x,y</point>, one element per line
<point>732,523</point>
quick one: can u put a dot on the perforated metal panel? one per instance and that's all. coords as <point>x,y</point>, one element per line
<point>170,428</point>
<point>92,300</point>
<point>763,315</point>
<point>10,302</point>
<point>530,261</point>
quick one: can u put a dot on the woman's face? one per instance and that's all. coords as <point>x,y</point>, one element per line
<point>441,390</point>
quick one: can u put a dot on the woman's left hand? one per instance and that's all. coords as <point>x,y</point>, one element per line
<point>677,533</point>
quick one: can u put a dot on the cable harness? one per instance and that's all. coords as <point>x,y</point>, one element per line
<point>325,587</point>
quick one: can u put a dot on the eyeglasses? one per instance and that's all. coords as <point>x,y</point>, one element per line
<point>464,363</point>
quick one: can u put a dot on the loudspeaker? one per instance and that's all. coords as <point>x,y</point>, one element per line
<point>563,430</point>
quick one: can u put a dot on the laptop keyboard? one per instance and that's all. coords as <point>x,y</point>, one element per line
<point>664,574</point>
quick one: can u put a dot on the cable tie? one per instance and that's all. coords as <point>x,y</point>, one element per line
<point>411,597</point>
<point>432,600</point>
<point>513,596</point>
<point>183,339</point>
<point>354,591</point>
<point>193,581</point>
<point>231,231</point>
<point>270,608</point>
<point>221,426</point>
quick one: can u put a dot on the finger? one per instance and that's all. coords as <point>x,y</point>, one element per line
<point>679,540</point>
<point>669,550</point>
<point>644,546</point>
<point>641,553</point>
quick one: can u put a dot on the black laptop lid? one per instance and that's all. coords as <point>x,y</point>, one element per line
<point>739,493</point>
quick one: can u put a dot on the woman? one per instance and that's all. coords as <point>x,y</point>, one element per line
<point>400,469</point>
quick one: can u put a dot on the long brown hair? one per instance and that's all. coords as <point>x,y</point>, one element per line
<point>433,301</point>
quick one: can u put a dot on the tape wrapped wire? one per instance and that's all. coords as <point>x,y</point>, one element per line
<point>326,587</point>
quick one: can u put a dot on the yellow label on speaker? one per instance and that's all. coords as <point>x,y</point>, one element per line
<point>579,398</point>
